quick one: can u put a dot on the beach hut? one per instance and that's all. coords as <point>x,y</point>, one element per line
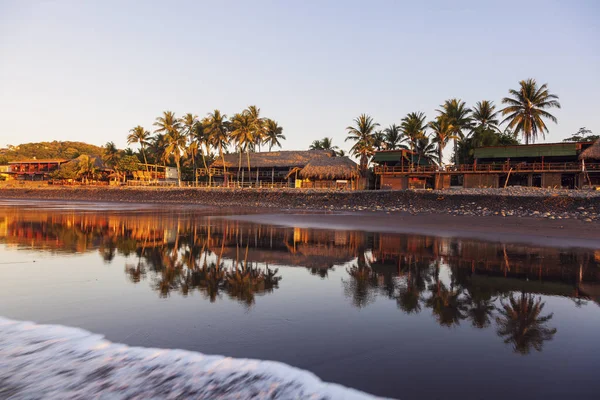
<point>267,169</point>
<point>330,173</point>
<point>592,153</point>
<point>590,164</point>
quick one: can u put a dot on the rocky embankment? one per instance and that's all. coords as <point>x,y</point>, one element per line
<point>517,202</point>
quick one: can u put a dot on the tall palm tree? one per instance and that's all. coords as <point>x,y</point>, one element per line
<point>200,143</point>
<point>258,126</point>
<point>274,134</point>
<point>175,141</point>
<point>485,115</point>
<point>394,138</point>
<point>526,109</point>
<point>216,126</point>
<point>243,130</point>
<point>362,135</point>
<point>442,131</point>
<point>189,126</point>
<point>459,116</point>
<point>139,135</point>
<point>413,128</point>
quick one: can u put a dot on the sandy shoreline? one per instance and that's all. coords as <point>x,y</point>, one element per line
<point>534,231</point>
<point>563,233</point>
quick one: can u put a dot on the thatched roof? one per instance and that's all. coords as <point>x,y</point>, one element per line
<point>273,159</point>
<point>97,161</point>
<point>331,168</point>
<point>592,152</point>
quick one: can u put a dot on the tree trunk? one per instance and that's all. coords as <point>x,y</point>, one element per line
<point>178,172</point>
<point>248,154</point>
<point>144,154</point>
<point>455,152</point>
<point>224,168</point>
<point>440,155</point>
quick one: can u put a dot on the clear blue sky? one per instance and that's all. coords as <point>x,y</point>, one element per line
<point>91,70</point>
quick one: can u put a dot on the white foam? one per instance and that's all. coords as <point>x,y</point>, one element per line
<point>58,362</point>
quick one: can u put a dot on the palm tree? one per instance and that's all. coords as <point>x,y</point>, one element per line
<point>324,144</point>
<point>520,323</point>
<point>459,117</point>
<point>394,138</point>
<point>111,154</point>
<point>139,135</point>
<point>86,168</point>
<point>427,150</point>
<point>379,140</point>
<point>362,135</point>
<point>413,128</point>
<point>242,133</point>
<point>175,141</point>
<point>526,109</point>
<point>218,134</point>
<point>189,126</point>
<point>442,133</point>
<point>200,142</point>
<point>485,115</point>
<point>274,133</point>
<point>258,126</point>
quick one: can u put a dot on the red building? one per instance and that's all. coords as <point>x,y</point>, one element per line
<point>34,170</point>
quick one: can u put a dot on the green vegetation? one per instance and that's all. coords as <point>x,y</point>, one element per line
<point>326,144</point>
<point>582,135</point>
<point>189,142</point>
<point>363,136</point>
<point>49,150</point>
<point>467,127</point>
<point>526,109</point>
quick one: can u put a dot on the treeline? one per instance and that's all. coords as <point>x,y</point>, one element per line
<point>190,141</point>
<point>524,114</point>
<point>49,150</point>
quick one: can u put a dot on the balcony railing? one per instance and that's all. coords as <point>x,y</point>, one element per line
<point>489,168</point>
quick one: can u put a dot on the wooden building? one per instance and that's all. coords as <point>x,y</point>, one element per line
<point>308,168</point>
<point>403,169</point>
<point>34,170</point>
<point>555,165</point>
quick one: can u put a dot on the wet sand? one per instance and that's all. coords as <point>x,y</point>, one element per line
<point>563,233</point>
<point>535,231</point>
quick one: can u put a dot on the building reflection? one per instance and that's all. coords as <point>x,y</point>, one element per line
<point>494,286</point>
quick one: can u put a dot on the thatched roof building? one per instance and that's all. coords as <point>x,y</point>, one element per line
<point>273,159</point>
<point>97,162</point>
<point>592,152</point>
<point>330,168</point>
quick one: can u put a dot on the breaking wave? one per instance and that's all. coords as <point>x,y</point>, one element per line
<point>52,361</point>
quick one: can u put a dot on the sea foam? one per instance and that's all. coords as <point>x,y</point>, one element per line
<point>58,362</point>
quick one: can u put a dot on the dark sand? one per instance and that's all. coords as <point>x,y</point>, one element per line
<point>562,233</point>
<point>534,231</point>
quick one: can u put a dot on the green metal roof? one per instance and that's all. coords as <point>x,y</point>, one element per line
<point>387,156</point>
<point>395,156</point>
<point>531,150</point>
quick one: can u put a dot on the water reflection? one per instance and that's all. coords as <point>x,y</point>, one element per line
<point>499,287</point>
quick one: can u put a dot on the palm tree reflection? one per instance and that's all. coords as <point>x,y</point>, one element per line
<point>179,255</point>
<point>521,324</point>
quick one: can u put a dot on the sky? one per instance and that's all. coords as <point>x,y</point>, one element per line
<point>92,70</point>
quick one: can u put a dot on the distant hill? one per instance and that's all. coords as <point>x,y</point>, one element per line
<point>45,150</point>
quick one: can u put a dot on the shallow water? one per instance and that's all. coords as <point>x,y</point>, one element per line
<point>398,315</point>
